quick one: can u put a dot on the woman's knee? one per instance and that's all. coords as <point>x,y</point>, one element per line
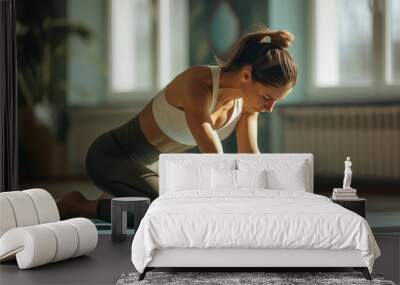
<point>130,189</point>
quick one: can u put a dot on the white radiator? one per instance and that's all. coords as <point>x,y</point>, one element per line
<point>369,134</point>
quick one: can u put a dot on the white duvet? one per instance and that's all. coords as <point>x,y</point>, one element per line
<point>252,218</point>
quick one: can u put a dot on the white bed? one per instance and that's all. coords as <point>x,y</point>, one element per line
<point>282,224</point>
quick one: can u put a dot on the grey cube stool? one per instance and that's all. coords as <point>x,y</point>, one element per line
<point>119,209</point>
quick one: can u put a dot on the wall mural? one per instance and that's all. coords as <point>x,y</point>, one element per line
<point>221,22</point>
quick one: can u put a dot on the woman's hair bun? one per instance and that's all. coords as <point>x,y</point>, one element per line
<point>281,38</point>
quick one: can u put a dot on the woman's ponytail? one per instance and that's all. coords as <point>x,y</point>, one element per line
<point>266,51</point>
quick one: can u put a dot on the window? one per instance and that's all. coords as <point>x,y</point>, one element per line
<point>393,42</point>
<point>132,58</point>
<point>355,47</point>
<point>148,45</point>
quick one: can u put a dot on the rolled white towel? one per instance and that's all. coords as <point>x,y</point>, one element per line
<point>26,208</point>
<point>46,207</point>
<point>87,235</point>
<point>40,244</point>
<point>67,240</point>
<point>7,218</point>
<point>23,208</point>
<point>33,246</point>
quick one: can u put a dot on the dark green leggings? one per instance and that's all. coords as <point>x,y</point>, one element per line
<point>119,162</point>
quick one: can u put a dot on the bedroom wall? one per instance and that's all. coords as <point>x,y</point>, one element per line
<point>211,27</point>
<point>87,63</point>
<point>292,16</point>
<point>208,23</point>
<point>370,137</point>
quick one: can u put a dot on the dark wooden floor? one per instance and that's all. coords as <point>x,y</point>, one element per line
<point>102,266</point>
<point>110,259</point>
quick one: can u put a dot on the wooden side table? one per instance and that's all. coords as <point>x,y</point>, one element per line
<point>358,206</point>
<point>119,209</point>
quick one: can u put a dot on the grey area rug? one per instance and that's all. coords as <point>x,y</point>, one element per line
<point>225,278</point>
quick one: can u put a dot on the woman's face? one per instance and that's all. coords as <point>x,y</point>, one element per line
<point>259,97</point>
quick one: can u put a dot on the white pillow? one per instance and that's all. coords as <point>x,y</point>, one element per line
<point>181,177</point>
<point>290,179</point>
<point>223,179</point>
<point>223,164</point>
<point>228,179</point>
<point>251,178</point>
<point>281,174</point>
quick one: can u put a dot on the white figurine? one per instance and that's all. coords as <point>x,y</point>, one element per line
<point>347,174</point>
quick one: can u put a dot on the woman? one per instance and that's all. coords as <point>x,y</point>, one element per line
<point>194,109</point>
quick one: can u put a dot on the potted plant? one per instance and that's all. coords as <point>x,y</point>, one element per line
<point>42,52</point>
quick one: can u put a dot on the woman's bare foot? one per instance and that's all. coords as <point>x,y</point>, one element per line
<point>73,204</point>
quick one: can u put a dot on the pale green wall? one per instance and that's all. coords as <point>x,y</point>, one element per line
<point>249,14</point>
<point>87,69</point>
<point>292,15</point>
<point>87,63</point>
<point>289,15</point>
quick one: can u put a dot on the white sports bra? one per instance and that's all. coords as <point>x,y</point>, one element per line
<point>172,121</point>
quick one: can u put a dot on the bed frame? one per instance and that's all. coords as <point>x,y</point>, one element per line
<point>246,258</point>
<point>242,259</point>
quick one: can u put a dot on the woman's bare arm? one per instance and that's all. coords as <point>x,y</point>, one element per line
<point>246,133</point>
<point>196,104</point>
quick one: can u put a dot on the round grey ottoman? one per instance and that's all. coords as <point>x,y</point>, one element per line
<point>119,208</point>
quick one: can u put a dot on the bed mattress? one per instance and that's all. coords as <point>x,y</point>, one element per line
<point>250,219</point>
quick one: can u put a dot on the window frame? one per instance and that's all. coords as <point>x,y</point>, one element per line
<point>379,90</point>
